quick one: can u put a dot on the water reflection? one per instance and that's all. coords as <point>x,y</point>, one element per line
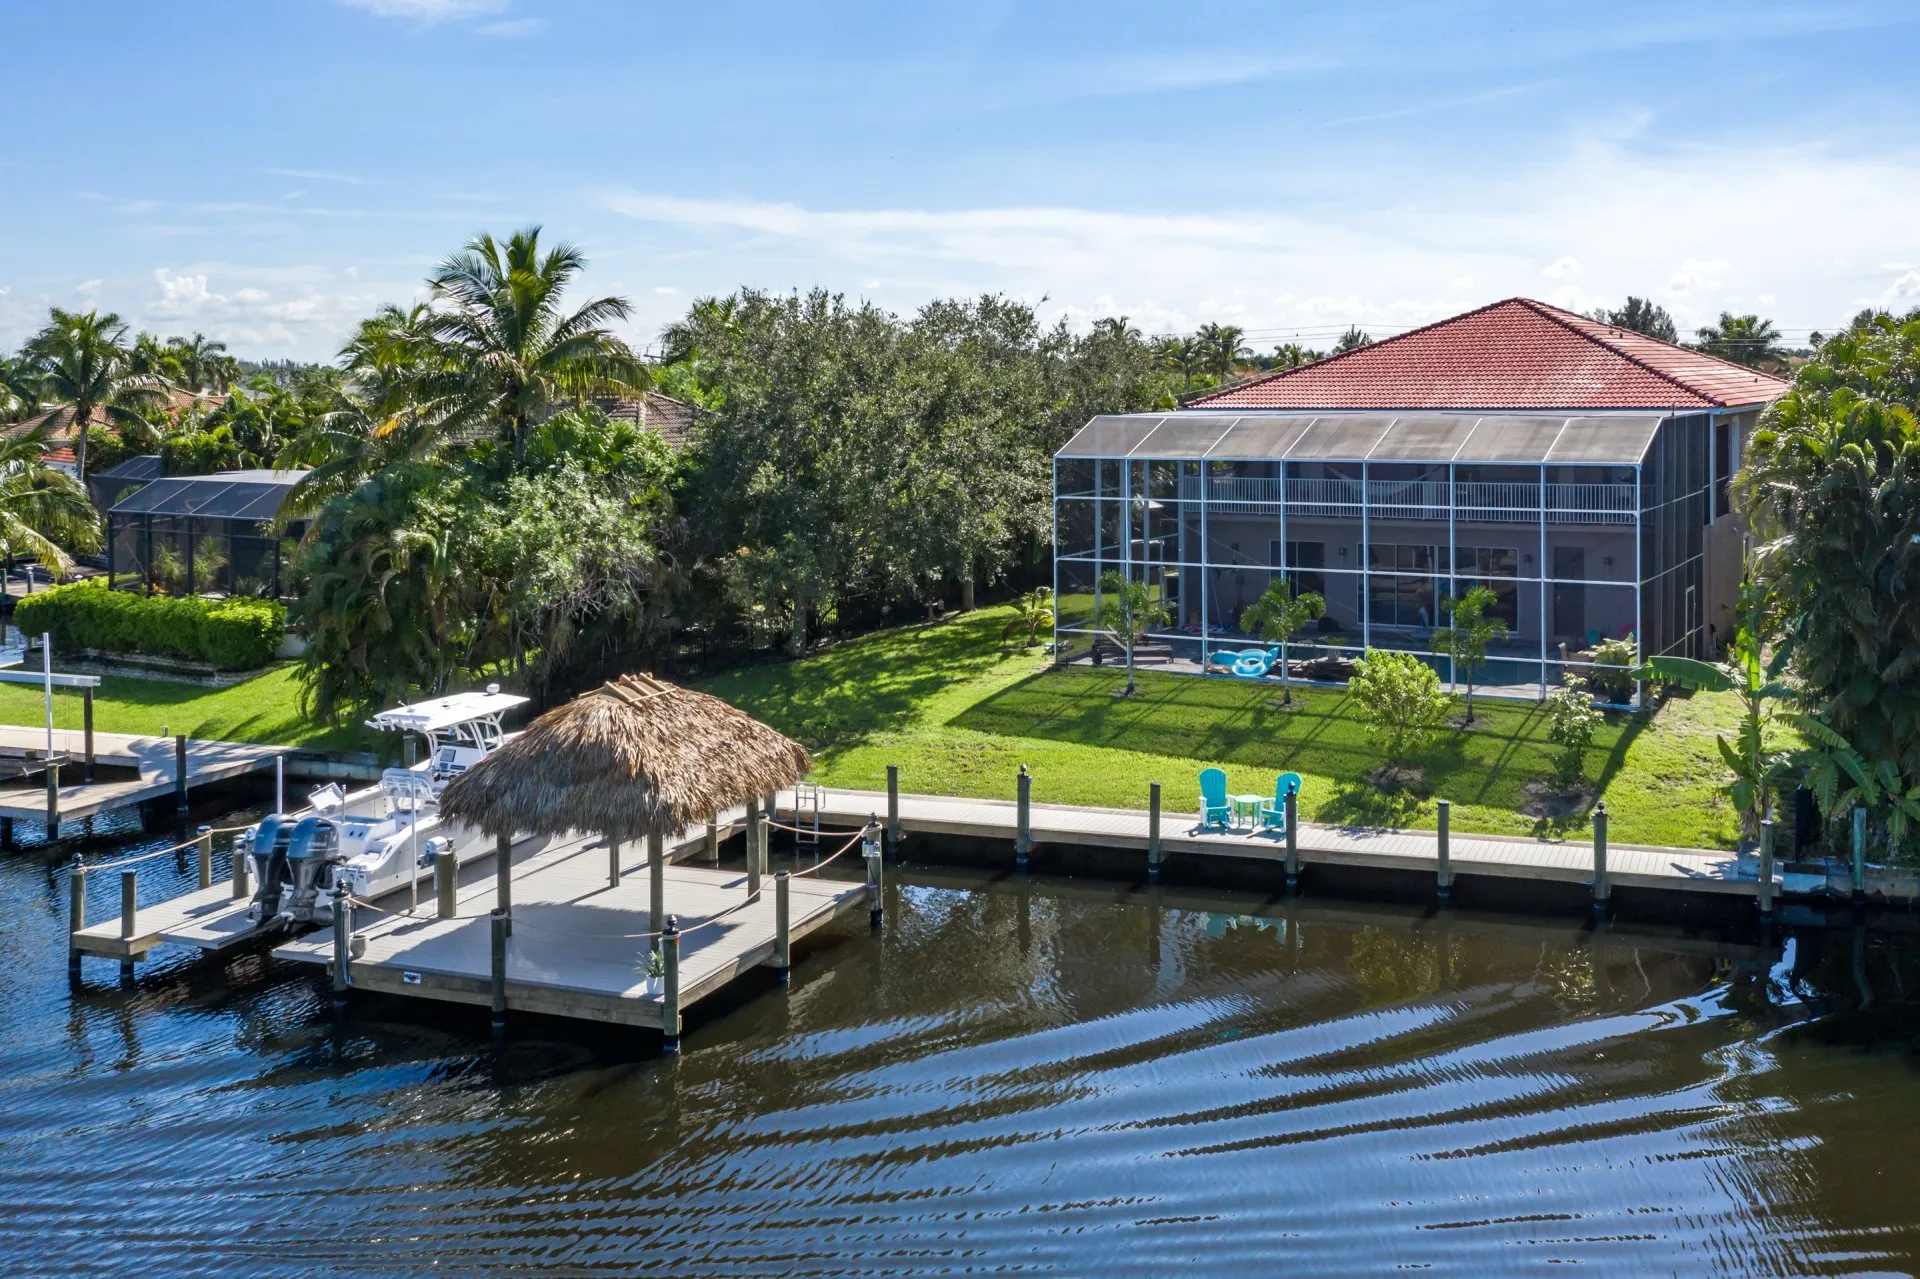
<point>1015,1074</point>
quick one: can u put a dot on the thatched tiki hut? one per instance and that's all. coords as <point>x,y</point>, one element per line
<point>635,758</point>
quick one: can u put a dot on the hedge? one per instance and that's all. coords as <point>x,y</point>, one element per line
<point>232,634</point>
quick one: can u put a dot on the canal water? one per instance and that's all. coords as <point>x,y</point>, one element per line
<point>1014,1076</point>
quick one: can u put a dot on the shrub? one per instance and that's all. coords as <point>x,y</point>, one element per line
<point>232,634</point>
<point>1400,698</point>
<point>1572,720</point>
<point>1613,660</point>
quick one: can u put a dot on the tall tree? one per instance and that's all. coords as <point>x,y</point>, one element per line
<point>506,352</point>
<point>1832,488</point>
<point>1186,356</point>
<point>200,361</point>
<point>1743,339</point>
<point>1641,316</point>
<point>86,363</point>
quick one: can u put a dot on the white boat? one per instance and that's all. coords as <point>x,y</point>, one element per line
<point>385,837</point>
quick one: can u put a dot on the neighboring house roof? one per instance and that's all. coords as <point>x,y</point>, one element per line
<point>1516,354</point>
<point>1355,435</point>
<point>672,418</point>
<point>60,420</point>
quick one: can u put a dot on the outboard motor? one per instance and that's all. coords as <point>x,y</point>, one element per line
<point>311,856</point>
<point>267,847</point>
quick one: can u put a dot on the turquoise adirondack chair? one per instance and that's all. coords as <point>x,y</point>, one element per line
<point>1275,813</point>
<point>1215,811</point>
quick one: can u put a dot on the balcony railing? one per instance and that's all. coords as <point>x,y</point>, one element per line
<point>1485,502</point>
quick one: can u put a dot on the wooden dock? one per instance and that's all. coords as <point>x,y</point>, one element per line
<point>1180,834</point>
<point>140,769</point>
<point>579,945</point>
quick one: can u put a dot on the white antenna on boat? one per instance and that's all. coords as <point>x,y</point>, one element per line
<point>46,669</point>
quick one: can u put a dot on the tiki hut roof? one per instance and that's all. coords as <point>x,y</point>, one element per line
<point>635,757</point>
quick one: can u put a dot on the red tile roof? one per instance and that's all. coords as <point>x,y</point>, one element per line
<point>1516,354</point>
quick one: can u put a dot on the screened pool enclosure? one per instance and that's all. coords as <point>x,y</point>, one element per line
<point>203,535</point>
<point>1590,530</point>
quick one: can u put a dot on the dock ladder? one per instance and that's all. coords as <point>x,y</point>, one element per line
<point>808,833</point>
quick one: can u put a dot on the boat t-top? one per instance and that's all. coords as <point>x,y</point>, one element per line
<point>379,839</point>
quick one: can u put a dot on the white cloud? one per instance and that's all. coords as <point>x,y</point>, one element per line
<point>426,10</point>
<point>296,314</point>
<point>314,175</point>
<point>1610,219</point>
<point>511,28</point>
<point>88,288</point>
<point>1905,290</point>
<point>665,290</point>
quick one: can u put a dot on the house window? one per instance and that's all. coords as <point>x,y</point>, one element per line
<point>1303,558</point>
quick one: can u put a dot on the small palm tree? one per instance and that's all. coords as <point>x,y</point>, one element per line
<point>1031,612</point>
<point>1127,609</point>
<point>1466,640</point>
<point>1742,339</point>
<point>41,507</point>
<point>505,355</point>
<point>1278,615</point>
<point>1352,340</point>
<point>86,363</point>
<point>1221,348</point>
<point>1291,355</point>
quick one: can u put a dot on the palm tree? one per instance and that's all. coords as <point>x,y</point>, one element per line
<point>200,361</point>
<point>86,363</point>
<point>1742,339</point>
<point>1278,615</point>
<point>1352,340</point>
<point>152,358</point>
<point>507,354</point>
<point>1030,612</point>
<point>1221,348</point>
<point>1465,640</point>
<point>21,389</point>
<point>1291,355</point>
<point>1185,356</point>
<point>1126,610</point>
<point>42,506</point>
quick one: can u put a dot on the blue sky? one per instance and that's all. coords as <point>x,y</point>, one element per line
<point>269,172</point>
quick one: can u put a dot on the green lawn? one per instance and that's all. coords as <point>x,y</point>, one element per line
<point>959,715</point>
<point>264,709</point>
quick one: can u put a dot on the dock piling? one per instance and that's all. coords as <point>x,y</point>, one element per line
<point>1293,840</point>
<point>670,986</point>
<point>1766,870</point>
<point>1859,856</point>
<point>342,945</point>
<point>656,880</point>
<point>712,843</point>
<point>783,926</point>
<point>87,732</point>
<point>1023,837</point>
<point>76,915</point>
<point>893,809</point>
<point>446,880</point>
<point>53,801</point>
<point>6,832</point>
<point>180,773</point>
<point>203,845</point>
<point>1600,887</point>
<point>755,844</point>
<point>129,902</point>
<point>498,923</point>
<point>1443,874</point>
<point>870,849</point>
<point>1153,830</point>
<point>613,863</point>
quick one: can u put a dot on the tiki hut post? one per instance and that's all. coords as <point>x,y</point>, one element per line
<point>503,877</point>
<point>755,836</point>
<point>656,881</point>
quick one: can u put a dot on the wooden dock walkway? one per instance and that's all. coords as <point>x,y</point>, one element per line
<point>152,761</point>
<point>579,945</point>
<point>1628,865</point>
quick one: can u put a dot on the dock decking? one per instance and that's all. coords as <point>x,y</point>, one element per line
<point>1628,865</point>
<point>153,760</point>
<point>578,946</point>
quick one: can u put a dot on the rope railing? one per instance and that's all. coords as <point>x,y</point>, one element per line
<point>80,865</point>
